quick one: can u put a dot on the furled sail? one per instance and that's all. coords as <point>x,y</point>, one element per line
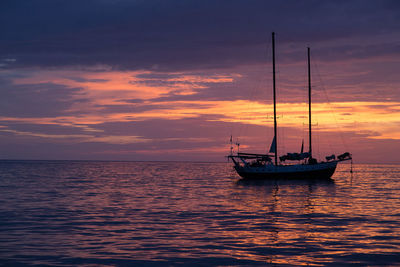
<point>302,146</point>
<point>294,156</point>
<point>272,148</point>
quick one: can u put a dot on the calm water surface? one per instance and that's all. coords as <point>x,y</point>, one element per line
<point>67,213</point>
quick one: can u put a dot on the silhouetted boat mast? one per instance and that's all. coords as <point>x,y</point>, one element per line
<point>309,102</point>
<point>252,165</point>
<point>274,89</point>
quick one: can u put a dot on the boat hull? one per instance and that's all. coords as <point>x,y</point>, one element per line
<point>317,171</point>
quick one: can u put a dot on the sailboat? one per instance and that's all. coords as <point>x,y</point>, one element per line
<point>262,166</point>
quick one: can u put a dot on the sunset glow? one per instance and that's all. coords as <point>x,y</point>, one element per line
<point>190,92</point>
<point>199,133</point>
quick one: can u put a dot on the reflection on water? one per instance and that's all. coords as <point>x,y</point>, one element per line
<point>125,213</point>
<point>291,209</point>
<point>348,223</point>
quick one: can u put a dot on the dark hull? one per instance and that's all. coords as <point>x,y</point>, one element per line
<point>312,174</point>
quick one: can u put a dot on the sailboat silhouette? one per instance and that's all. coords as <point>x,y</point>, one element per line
<point>251,165</point>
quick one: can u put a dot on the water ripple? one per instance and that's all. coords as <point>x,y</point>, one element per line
<point>69,213</point>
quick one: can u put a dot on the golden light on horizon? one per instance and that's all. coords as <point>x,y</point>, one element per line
<point>359,116</point>
<point>133,96</point>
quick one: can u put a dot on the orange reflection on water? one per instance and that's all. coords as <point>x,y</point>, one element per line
<point>319,219</point>
<point>174,212</point>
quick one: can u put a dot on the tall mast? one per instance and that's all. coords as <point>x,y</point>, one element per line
<point>273,79</point>
<point>309,101</point>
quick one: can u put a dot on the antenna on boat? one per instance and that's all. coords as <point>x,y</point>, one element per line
<point>273,79</point>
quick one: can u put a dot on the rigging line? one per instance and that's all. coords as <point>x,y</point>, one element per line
<point>281,129</point>
<point>248,115</point>
<point>258,90</point>
<point>268,59</point>
<point>331,108</point>
<point>242,127</point>
<point>318,133</point>
<point>305,100</point>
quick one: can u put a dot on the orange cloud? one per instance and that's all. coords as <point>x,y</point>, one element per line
<point>104,88</point>
<point>110,87</point>
<point>382,118</point>
<point>81,138</point>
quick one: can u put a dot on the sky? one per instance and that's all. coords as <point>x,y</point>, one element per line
<point>173,80</point>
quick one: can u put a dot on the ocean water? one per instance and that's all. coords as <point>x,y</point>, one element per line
<point>68,213</point>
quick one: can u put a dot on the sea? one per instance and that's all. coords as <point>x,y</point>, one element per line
<point>102,213</point>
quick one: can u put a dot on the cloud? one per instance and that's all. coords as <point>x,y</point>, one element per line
<point>178,35</point>
<point>36,100</point>
<point>85,100</point>
<point>80,138</point>
<point>154,79</point>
